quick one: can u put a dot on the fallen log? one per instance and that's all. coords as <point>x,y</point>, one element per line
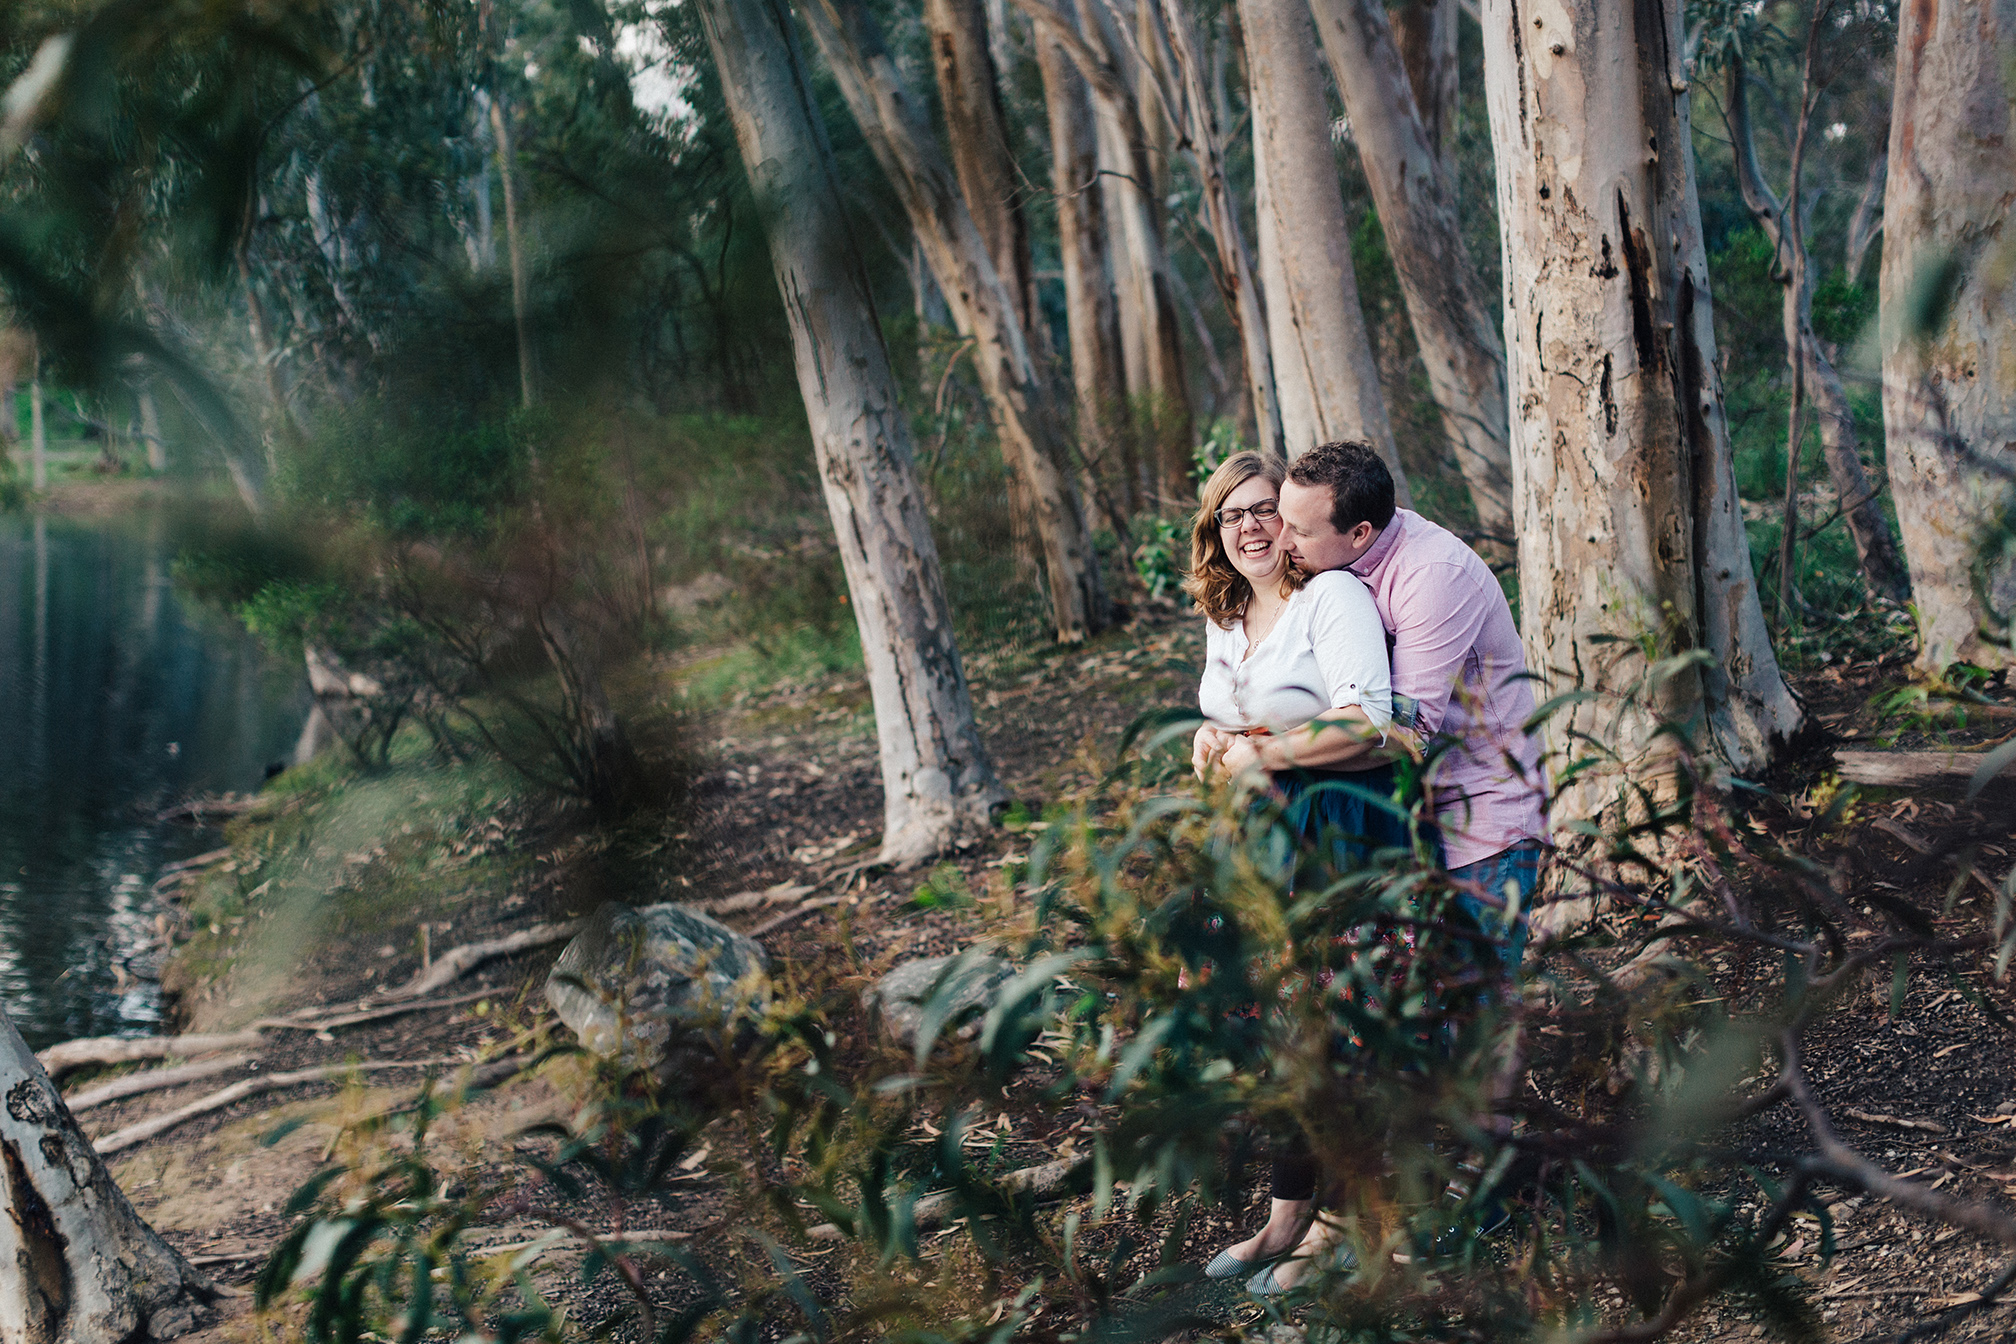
<point>928,1212</point>
<point>154,1080</point>
<point>68,1056</point>
<point>457,962</point>
<point>139,1132</point>
<point>1908,769</point>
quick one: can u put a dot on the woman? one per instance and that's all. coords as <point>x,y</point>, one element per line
<point>1286,654</point>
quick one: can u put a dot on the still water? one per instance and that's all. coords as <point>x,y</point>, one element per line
<point>117,697</point>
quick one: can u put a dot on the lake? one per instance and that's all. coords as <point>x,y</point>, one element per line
<point>117,697</point>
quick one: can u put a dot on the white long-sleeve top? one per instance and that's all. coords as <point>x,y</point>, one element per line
<point>1327,651</point>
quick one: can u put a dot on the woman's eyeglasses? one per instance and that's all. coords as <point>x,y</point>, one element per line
<point>1266,511</point>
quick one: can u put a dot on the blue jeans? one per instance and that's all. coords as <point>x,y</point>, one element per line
<point>1519,864</point>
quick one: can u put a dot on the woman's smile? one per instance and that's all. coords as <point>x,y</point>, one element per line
<point>1253,543</point>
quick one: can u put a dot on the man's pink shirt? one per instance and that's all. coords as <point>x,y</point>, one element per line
<point>1456,653</point>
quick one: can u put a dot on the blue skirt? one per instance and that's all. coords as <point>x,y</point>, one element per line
<point>1341,818</point>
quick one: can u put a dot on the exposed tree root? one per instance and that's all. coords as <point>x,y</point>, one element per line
<point>66,1056</point>
<point>139,1132</point>
<point>454,964</point>
<point>154,1080</point>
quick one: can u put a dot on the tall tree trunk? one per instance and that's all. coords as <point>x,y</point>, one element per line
<point>937,781</point>
<point>1875,548</point>
<point>1460,345</point>
<point>514,243</point>
<point>1034,440</point>
<point>1949,348</point>
<point>1151,344</point>
<point>1092,319</point>
<point>1236,273</point>
<point>1323,365</point>
<point>80,1264</point>
<point>1625,493</point>
<point>1425,31</point>
<point>977,133</point>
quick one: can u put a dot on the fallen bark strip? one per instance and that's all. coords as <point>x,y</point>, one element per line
<point>1877,1118</point>
<point>1050,1178</point>
<point>65,1056</point>
<point>154,1080</point>
<point>120,1140</point>
<point>452,965</point>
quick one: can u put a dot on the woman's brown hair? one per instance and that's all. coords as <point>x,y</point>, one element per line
<point>1214,585</point>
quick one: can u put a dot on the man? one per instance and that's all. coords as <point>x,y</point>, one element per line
<point>1456,656</point>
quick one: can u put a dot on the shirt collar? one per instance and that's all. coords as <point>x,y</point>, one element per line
<point>1375,555</point>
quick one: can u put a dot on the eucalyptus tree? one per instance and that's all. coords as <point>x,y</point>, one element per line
<point>1407,165</point>
<point>1027,417</point>
<point>937,780</point>
<point>1323,367</point>
<point>1084,242</point>
<point>1144,281</point>
<point>81,1264</point>
<point>1949,347</point>
<point>1630,531</point>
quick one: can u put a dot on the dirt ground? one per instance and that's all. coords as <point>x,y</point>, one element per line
<point>790,796</point>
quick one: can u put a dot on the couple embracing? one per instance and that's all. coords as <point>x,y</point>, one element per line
<point>1327,607</point>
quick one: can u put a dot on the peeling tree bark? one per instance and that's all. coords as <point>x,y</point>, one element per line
<point>77,1264</point>
<point>938,783</point>
<point>1323,367</point>
<point>1949,347</point>
<point>1446,304</point>
<point>1624,490</point>
<point>1875,548</point>
<point>1030,424</point>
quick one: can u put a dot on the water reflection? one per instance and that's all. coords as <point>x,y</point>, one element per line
<point>116,696</point>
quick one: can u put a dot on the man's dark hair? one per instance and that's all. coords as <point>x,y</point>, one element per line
<point>1361,489</point>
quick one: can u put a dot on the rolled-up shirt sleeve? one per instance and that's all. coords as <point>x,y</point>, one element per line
<point>1350,646</point>
<point>1440,614</point>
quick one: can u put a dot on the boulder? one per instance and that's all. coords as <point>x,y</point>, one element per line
<point>902,993</point>
<point>683,983</point>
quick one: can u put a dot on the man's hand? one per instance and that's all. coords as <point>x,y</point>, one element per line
<point>1207,747</point>
<point>1242,758</point>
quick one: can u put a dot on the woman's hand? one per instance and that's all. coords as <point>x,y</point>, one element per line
<point>1207,747</point>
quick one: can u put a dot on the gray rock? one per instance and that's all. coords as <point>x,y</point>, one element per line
<point>683,982</point>
<point>903,992</point>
